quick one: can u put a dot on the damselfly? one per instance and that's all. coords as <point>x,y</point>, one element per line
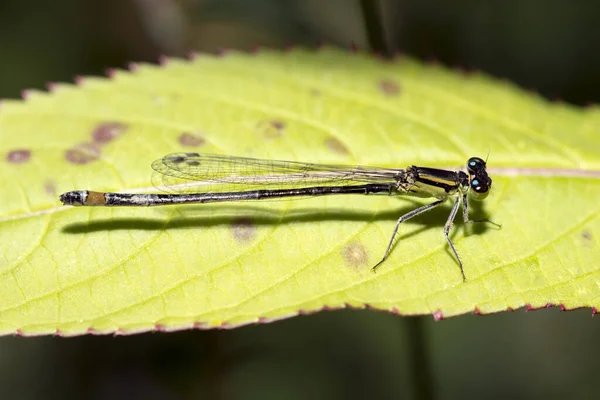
<point>207,178</point>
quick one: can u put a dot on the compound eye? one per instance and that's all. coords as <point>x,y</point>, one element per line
<point>475,164</point>
<point>480,189</point>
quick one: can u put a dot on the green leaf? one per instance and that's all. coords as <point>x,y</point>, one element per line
<point>75,269</point>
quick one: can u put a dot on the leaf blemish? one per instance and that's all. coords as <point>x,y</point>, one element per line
<point>336,146</point>
<point>19,156</point>
<point>279,125</point>
<point>355,254</point>
<point>191,139</point>
<point>83,153</point>
<point>50,188</point>
<point>389,87</point>
<point>587,235</point>
<point>107,131</point>
<point>271,129</point>
<point>243,229</point>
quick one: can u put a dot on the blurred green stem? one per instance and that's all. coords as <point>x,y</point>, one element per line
<point>419,361</point>
<point>375,27</point>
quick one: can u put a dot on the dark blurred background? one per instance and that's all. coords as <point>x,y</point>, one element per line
<point>548,46</point>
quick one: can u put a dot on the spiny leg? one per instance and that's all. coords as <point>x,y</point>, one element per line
<point>403,218</point>
<point>471,221</point>
<point>447,227</point>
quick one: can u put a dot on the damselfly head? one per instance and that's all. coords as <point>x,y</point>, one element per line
<point>480,182</point>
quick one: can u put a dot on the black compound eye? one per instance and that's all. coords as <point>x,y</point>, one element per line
<point>475,164</point>
<point>480,188</point>
<point>477,186</point>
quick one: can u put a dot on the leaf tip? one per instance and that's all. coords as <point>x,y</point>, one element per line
<point>133,67</point>
<point>92,331</point>
<point>26,94</point>
<point>79,80</point>
<point>163,60</point>
<point>110,73</point>
<point>438,315</point>
<point>51,87</point>
<point>563,308</point>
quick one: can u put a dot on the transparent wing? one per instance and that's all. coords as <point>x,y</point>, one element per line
<point>194,172</point>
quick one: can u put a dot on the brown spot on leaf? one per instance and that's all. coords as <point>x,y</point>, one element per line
<point>587,235</point>
<point>271,129</point>
<point>83,153</point>
<point>50,188</point>
<point>243,229</point>
<point>18,156</point>
<point>389,87</point>
<point>107,131</point>
<point>588,238</point>
<point>336,146</point>
<point>355,254</point>
<point>278,125</point>
<point>191,139</point>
